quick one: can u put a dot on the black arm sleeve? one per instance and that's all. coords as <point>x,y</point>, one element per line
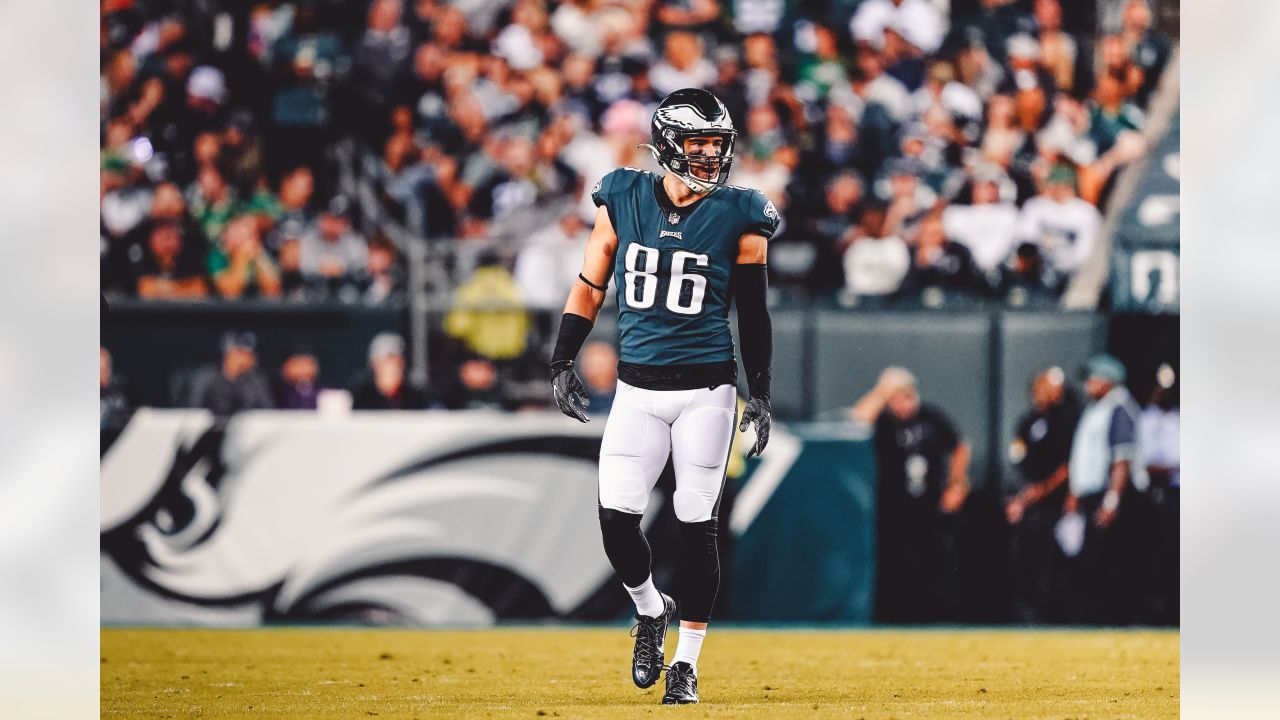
<point>574,330</point>
<point>755,329</point>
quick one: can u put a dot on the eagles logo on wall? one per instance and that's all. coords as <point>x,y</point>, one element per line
<point>406,518</point>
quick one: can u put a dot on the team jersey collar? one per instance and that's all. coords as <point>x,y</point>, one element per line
<point>665,202</point>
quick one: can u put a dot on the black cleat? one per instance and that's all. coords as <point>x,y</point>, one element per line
<point>651,635</point>
<point>682,685</point>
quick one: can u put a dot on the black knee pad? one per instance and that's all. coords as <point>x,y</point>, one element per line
<point>625,545</point>
<point>699,570</point>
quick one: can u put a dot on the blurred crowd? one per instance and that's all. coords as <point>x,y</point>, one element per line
<point>966,146</point>
<point>1089,513</point>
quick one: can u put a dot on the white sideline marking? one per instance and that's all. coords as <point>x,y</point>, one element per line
<point>776,460</point>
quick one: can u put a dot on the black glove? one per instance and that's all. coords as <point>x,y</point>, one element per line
<point>566,388</point>
<point>757,412</point>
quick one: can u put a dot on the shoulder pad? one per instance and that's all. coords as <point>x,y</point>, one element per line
<point>614,182</point>
<point>761,215</point>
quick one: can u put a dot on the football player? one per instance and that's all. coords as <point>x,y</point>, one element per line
<point>679,246</point>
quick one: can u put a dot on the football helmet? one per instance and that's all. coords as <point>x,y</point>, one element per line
<point>687,113</point>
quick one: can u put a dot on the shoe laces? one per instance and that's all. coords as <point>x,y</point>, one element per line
<point>679,678</point>
<point>649,632</point>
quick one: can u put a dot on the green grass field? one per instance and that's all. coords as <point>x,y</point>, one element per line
<point>585,673</point>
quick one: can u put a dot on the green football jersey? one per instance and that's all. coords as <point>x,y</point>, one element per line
<point>673,265</point>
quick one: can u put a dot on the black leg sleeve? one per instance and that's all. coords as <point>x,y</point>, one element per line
<point>699,570</point>
<point>626,546</point>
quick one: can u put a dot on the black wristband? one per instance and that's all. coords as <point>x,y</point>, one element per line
<point>574,330</point>
<point>759,385</point>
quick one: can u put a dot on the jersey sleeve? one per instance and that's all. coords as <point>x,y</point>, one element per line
<point>603,191</point>
<point>761,216</point>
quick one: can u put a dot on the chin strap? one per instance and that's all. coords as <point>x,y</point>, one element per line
<point>698,185</point>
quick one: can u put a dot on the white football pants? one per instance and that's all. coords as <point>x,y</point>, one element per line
<point>694,427</point>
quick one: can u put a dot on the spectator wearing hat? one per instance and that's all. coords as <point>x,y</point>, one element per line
<point>923,477</point>
<point>1105,462</point>
<point>1039,453</point>
<point>1060,225</point>
<point>240,266</point>
<point>988,225</point>
<point>332,256</point>
<point>237,385</point>
<point>386,387</point>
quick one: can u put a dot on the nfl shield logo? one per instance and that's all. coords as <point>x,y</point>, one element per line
<point>673,218</point>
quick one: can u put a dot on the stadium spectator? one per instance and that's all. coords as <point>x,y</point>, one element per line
<point>1149,48</point>
<point>938,262</point>
<point>909,199</point>
<point>386,387</point>
<point>385,276</point>
<point>1106,462</point>
<point>683,64</point>
<point>1060,225</point>
<point>308,64</point>
<point>241,153</point>
<point>299,383</point>
<point>1039,454</point>
<point>212,203</point>
<point>874,263</point>
<point>383,51</point>
<point>488,313</point>
<point>923,479</point>
<point>548,264</point>
<point>1110,115</point>
<point>808,253</point>
<point>169,269</point>
<point>294,209</point>
<point>988,225</point>
<point>917,21</point>
<point>235,386</point>
<point>333,257</point>
<point>1159,428</point>
<point>477,386</point>
<point>240,266</point>
<point>1058,49</point>
<point>599,364</point>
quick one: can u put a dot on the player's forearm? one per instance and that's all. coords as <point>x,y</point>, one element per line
<point>755,328</point>
<point>584,301</point>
